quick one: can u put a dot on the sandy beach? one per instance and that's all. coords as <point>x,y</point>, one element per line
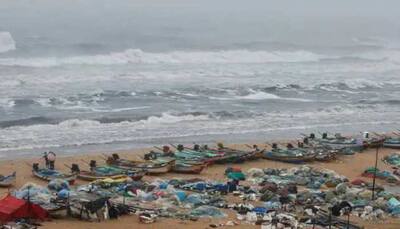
<point>350,166</point>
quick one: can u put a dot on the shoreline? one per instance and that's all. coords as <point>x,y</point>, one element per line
<point>350,166</point>
<point>284,134</point>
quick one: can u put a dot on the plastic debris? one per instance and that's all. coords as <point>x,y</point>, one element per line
<point>207,211</point>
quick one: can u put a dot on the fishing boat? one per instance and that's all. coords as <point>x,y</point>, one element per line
<point>158,157</point>
<point>8,181</point>
<point>103,172</point>
<point>324,154</point>
<point>374,142</point>
<point>289,155</point>
<point>205,155</point>
<point>180,165</point>
<point>50,174</point>
<point>188,168</point>
<point>393,143</point>
<point>223,155</point>
<point>345,145</point>
<point>152,167</point>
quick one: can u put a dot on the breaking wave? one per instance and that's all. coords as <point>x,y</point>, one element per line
<point>258,95</point>
<point>7,42</point>
<point>137,56</point>
<point>164,118</point>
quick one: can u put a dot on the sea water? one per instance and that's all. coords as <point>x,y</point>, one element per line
<point>95,76</point>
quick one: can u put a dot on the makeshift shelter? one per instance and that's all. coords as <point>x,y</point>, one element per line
<point>12,208</point>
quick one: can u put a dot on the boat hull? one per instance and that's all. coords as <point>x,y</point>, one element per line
<point>288,158</point>
<point>150,168</point>
<point>391,145</point>
<point>188,169</point>
<point>8,181</point>
<point>70,178</point>
<point>89,176</point>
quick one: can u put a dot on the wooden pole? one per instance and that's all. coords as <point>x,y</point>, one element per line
<point>375,170</point>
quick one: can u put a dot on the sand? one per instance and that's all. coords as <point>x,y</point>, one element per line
<point>350,166</point>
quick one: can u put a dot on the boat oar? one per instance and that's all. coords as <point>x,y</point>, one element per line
<point>159,148</point>
<point>249,146</point>
<point>379,135</point>
<point>395,133</point>
<point>87,163</point>
<point>67,166</point>
<point>176,147</point>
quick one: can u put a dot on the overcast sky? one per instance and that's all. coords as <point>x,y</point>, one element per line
<point>200,23</point>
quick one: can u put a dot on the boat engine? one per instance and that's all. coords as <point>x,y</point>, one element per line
<point>92,164</point>
<point>75,168</point>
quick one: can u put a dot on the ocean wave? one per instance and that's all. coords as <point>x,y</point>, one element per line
<point>7,103</point>
<point>76,132</point>
<point>258,95</point>
<point>137,56</point>
<point>380,101</point>
<point>7,42</point>
<point>27,122</point>
<point>172,118</point>
<point>163,118</point>
<point>350,86</point>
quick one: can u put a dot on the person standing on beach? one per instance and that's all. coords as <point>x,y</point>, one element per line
<point>51,157</point>
<point>46,159</point>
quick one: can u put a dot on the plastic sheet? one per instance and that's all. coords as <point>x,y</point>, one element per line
<point>207,211</point>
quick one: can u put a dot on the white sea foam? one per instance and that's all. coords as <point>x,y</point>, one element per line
<point>7,103</point>
<point>137,56</point>
<point>116,110</point>
<point>168,118</point>
<point>258,95</point>
<point>7,42</point>
<point>83,132</point>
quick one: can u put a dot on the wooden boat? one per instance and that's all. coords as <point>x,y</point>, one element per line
<point>290,156</point>
<point>227,155</point>
<point>8,181</point>
<point>49,174</point>
<point>325,154</point>
<point>188,168</point>
<point>104,172</point>
<point>338,142</point>
<point>393,143</point>
<point>374,142</point>
<point>322,153</point>
<point>152,167</point>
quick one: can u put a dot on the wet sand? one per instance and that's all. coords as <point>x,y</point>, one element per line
<point>350,166</point>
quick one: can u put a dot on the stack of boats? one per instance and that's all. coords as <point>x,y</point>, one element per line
<point>183,160</point>
<point>195,159</point>
<point>325,148</point>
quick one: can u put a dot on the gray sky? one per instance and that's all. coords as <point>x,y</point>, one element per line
<point>162,24</point>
